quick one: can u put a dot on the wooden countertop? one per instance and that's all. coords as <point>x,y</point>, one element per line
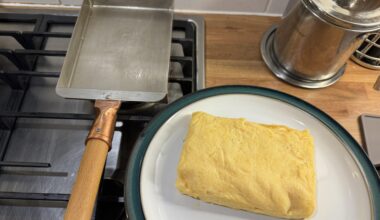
<point>233,57</point>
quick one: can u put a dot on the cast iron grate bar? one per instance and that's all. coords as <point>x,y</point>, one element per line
<point>41,52</point>
<point>56,75</point>
<point>24,164</point>
<point>68,35</point>
<point>34,196</point>
<point>63,53</point>
<point>29,73</point>
<point>181,59</point>
<point>182,40</point>
<point>10,33</point>
<point>69,116</point>
<point>47,34</point>
<point>181,79</point>
<point>24,18</point>
<point>50,197</point>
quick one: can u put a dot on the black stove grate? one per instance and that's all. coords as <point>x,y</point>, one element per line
<point>25,61</point>
<point>18,79</point>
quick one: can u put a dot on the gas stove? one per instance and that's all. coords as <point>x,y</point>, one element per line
<point>42,135</point>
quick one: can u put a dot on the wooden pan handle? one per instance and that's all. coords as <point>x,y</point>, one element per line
<point>98,143</point>
<point>85,189</point>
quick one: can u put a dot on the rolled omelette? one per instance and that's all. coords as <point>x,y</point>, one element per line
<point>265,169</point>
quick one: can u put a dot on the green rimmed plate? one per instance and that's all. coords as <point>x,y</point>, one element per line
<point>348,186</point>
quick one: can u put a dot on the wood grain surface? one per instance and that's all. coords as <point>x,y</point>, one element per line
<point>233,57</point>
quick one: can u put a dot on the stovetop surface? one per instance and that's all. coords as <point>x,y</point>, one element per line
<point>42,135</point>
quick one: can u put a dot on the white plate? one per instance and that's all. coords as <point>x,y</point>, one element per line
<point>343,192</point>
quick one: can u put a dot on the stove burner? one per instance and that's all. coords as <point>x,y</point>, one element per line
<point>30,112</point>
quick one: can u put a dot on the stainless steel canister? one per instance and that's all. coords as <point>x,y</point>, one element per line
<point>311,45</point>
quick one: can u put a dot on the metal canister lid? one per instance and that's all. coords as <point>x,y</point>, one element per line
<point>356,15</point>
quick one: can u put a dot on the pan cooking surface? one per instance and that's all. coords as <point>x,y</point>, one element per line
<point>118,53</point>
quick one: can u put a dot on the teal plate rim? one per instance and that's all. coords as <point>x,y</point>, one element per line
<point>132,189</point>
